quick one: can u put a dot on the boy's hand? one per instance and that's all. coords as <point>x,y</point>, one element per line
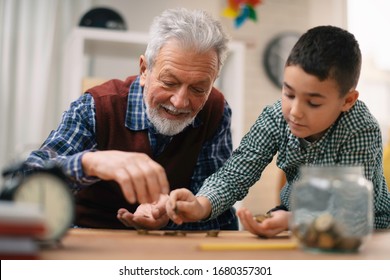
<point>183,206</point>
<point>269,227</point>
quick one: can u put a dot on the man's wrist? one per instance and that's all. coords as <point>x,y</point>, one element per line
<point>84,176</point>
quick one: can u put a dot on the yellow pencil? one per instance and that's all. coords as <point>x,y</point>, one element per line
<point>247,246</point>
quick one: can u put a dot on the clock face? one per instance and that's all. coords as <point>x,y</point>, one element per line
<point>276,54</point>
<point>54,199</point>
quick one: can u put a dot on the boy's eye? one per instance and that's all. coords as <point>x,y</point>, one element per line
<point>314,105</point>
<point>289,95</point>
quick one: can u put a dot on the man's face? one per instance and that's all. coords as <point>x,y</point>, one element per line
<point>311,106</point>
<point>178,86</point>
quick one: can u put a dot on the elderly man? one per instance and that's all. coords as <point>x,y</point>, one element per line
<point>127,144</point>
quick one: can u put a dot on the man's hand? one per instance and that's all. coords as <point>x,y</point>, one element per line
<point>269,227</point>
<point>140,178</point>
<point>147,216</point>
<point>183,206</point>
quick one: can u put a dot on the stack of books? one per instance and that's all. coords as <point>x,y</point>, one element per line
<point>21,225</point>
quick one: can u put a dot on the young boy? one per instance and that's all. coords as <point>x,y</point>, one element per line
<point>318,121</point>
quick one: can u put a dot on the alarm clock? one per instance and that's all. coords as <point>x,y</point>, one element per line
<point>49,188</point>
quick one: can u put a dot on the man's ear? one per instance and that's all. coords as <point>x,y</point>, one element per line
<point>142,70</point>
<point>350,99</point>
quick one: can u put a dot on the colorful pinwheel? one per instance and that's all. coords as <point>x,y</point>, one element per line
<point>241,10</point>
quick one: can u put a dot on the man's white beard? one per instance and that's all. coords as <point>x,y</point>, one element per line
<point>166,126</point>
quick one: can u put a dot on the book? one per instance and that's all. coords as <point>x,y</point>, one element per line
<point>21,224</point>
<point>18,248</point>
<point>21,219</point>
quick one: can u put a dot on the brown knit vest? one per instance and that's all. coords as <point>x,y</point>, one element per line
<point>97,205</point>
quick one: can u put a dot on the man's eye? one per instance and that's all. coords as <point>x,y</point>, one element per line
<point>198,90</point>
<point>168,84</point>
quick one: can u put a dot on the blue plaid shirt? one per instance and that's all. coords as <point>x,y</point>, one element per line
<point>76,135</point>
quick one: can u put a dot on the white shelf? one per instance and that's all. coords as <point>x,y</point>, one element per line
<point>99,34</point>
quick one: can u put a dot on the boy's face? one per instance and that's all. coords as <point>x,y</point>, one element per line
<point>311,106</point>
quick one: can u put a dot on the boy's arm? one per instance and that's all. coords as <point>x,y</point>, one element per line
<point>183,206</point>
<point>232,181</point>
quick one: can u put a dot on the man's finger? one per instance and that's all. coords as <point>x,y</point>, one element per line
<point>126,184</point>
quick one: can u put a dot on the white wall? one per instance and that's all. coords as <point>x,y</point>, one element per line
<point>369,21</point>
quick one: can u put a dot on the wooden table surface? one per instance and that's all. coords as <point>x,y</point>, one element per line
<point>93,244</point>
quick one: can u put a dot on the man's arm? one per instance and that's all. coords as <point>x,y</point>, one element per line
<point>73,146</point>
<point>66,145</point>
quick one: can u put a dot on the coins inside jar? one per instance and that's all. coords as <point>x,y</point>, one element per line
<point>326,233</point>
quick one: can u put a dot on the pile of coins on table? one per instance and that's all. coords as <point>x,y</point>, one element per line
<point>325,233</point>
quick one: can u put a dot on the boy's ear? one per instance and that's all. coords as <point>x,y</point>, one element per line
<point>350,100</point>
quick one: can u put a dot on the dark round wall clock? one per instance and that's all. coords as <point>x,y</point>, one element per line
<point>275,56</point>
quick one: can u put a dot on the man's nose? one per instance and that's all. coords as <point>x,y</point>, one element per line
<point>180,99</point>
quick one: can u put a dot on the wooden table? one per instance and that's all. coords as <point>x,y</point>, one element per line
<point>95,244</point>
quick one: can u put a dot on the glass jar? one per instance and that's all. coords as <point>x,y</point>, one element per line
<point>332,208</point>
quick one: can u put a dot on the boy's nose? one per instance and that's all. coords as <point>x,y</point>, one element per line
<point>296,110</point>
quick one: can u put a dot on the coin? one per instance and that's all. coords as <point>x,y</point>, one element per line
<point>324,222</point>
<point>262,217</point>
<point>212,233</point>
<point>142,232</point>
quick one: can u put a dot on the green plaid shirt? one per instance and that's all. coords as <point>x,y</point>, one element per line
<point>354,139</point>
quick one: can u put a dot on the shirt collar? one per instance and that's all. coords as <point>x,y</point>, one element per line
<point>296,143</point>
